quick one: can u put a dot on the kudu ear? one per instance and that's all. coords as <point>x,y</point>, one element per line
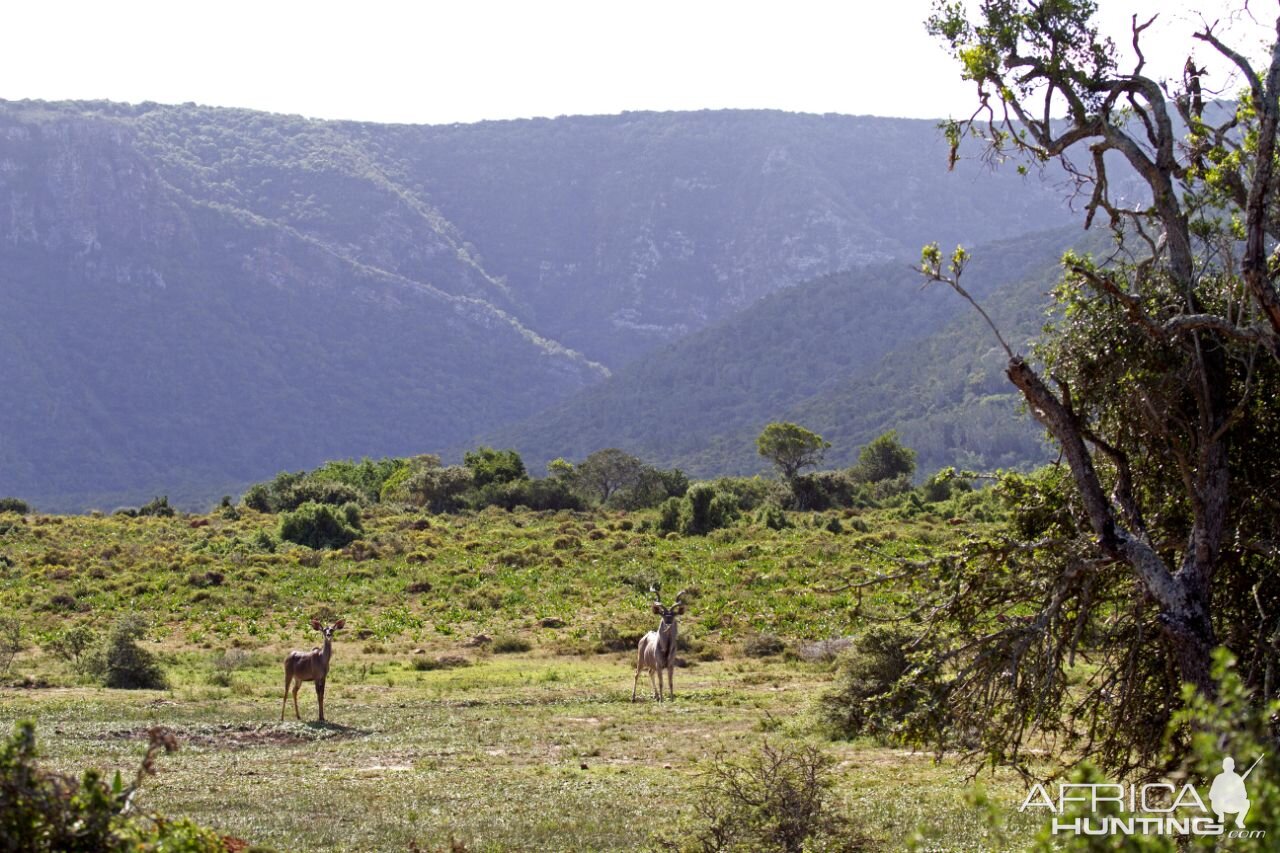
<point>679,609</point>
<point>340,623</point>
<point>315,623</point>
<point>657,608</point>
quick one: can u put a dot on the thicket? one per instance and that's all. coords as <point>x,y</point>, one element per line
<point>318,525</point>
<point>776,801</point>
<point>42,811</point>
<point>119,662</point>
<point>14,505</point>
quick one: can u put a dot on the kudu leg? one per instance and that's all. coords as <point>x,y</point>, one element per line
<point>656,687</point>
<point>284,703</point>
<point>297,685</point>
<point>635,684</point>
<point>320,698</point>
<point>671,682</point>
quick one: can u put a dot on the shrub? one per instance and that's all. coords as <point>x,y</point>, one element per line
<point>310,490</point>
<point>872,695</point>
<point>41,810</point>
<point>708,509</point>
<point>226,665</point>
<point>509,643</point>
<point>121,663</point>
<point>158,507</point>
<point>884,458</point>
<point>749,493</point>
<point>11,641</point>
<point>823,490</point>
<point>763,646</point>
<point>14,505</point>
<point>773,517</point>
<point>426,664</point>
<point>777,800</point>
<point>321,526</point>
<point>73,645</point>
<point>669,515</point>
<point>494,466</point>
<point>438,489</point>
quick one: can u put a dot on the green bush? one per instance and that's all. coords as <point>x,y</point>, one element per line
<point>14,505</point>
<point>669,514</point>
<point>872,695</point>
<point>11,641</point>
<point>773,517</point>
<point>776,801</point>
<point>41,810</point>
<point>510,643</point>
<point>73,645</point>
<point>121,663</point>
<point>707,509</point>
<point>318,525</point>
<point>158,507</point>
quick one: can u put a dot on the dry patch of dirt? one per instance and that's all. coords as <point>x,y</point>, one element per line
<point>247,735</point>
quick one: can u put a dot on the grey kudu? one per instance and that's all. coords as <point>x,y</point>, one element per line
<point>657,649</point>
<point>309,666</point>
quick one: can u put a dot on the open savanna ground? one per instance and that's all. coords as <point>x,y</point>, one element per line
<point>481,691</point>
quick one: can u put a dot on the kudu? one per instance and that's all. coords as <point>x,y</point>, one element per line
<point>657,649</point>
<point>309,666</point>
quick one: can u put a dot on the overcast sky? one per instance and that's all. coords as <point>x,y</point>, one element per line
<point>467,60</point>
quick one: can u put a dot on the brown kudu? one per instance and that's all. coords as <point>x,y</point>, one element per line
<point>309,666</point>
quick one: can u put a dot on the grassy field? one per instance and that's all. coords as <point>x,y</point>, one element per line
<point>433,734</point>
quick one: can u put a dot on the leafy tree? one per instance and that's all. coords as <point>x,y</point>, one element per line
<point>790,447</point>
<point>1156,545</point>
<point>494,466</point>
<point>606,472</point>
<point>883,459</point>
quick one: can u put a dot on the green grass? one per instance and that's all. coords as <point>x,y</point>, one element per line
<point>490,753</point>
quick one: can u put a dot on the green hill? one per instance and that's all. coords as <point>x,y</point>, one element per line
<point>850,356</point>
<point>192,299</point>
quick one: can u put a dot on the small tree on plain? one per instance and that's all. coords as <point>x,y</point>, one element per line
<point>790,447</point>
<point>883,459</point>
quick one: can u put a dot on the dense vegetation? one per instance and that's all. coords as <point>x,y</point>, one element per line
<point>850,356</point>
<point>195,298</point>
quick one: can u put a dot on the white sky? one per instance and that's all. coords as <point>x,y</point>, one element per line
<point>467,60</point>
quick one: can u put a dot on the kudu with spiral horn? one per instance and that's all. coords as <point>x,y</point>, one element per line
<point>657,649</point>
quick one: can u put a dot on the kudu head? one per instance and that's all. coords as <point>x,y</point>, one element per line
<point>328,632</point>
<point>668,614</point>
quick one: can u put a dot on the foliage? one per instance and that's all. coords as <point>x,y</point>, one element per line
<point>774,801</point>
<point>1156,379</point>
<point>41,810</point>
<point>121,663</point>
<point>366,477</point>
<point>494,466</point>
<point>886,689</point>
<point>884,458</point>
<point>11,641</point>
<point>439,489</point>
<point>157,507</point>
<point>73,644</point>
<point>14,505</point>
<point>318,525</point>
<point>607,472</point>
<point>703,508</point>
<point>510,644</point>
<point>790,447</point>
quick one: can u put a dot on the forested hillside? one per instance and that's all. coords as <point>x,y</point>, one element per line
<point>192,299</point>
<point>850,355</point>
